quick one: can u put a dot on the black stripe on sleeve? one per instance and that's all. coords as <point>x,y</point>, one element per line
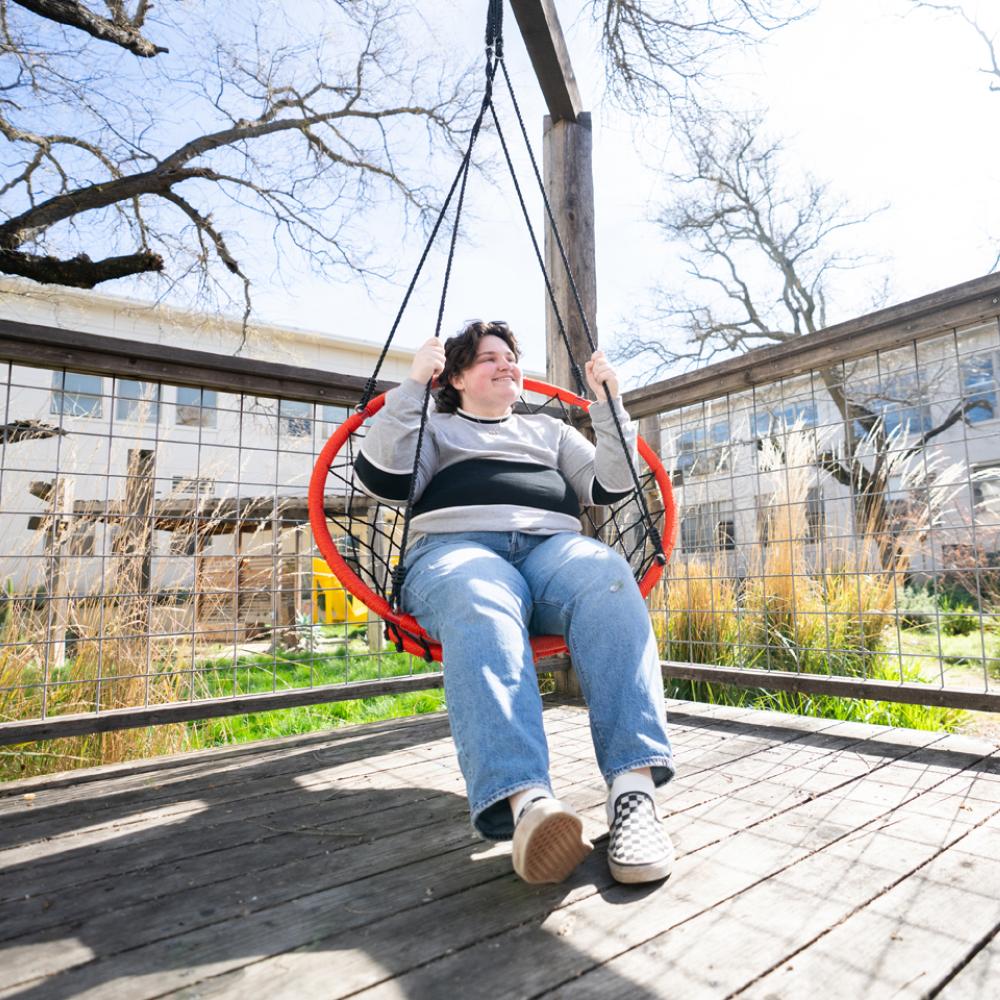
<point>391,486</point>
<point>603,497</point>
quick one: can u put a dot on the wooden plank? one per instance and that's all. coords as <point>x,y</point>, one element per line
<point>253,796</point>
<point>301,927</point>
<point>978,978</point>
<point>539,25</point>
<point>56,727</point>
<point>115,776</point>
<point>897,326</point>
<point>394,769</point>
<point>776,918</point>
<point>232,818</point>
<point>896,945</point>
<point>257,877</point>
<point>840,687</point>
<point>557,947</point>
<point>51,347</point>
<point>231,941</point>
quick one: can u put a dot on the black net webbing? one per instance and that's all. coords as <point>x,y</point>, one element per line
<point>373,537</point>
<point>369,534</point>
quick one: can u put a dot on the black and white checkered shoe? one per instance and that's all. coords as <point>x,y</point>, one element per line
<point>639,849</point>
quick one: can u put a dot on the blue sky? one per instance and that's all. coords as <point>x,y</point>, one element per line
<point>886,104</point>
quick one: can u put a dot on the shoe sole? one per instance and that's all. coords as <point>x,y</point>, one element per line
<point>654,871</point>
<point>550,844</point>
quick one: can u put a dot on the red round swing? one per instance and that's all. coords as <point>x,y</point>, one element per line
<point>646,553</point>
<point>629,526</point>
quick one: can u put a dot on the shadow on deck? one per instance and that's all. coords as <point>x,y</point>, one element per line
<point>814,856</point>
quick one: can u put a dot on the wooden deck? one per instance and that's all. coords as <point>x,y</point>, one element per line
<point>814,858</point>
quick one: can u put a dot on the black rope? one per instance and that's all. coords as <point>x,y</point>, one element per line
<point>643,506</point>
<point>581,387</point>
<point>494,44</point>
<point>493,22</point>
<point>370,385</point>
<point>495,60</point>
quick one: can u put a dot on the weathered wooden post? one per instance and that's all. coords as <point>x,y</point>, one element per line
<point>60,497</point>
<point>569,186</point>
<point>134,544</point>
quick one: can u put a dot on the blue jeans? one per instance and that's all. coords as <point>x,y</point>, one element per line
<point>481,594</point>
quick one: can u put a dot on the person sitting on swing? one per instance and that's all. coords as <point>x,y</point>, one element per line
<point>498,555</point>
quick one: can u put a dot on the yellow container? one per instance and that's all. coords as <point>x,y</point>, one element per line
<point>331,603</point>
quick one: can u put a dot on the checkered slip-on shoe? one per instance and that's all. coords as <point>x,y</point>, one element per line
<point>639,849</point>
<point>548,842</point>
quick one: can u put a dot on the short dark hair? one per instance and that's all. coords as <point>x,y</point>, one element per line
<point>460,352</point>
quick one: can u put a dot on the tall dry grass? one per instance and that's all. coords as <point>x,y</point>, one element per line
<point>808,600</point>
<point>111,661</point>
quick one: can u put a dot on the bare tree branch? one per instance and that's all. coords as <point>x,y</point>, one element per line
<point>988,40</point>
<point>762,252</point>
<point>120,29</point>
<point>80,271</point>
<point>304,134</point>
<point>659,53</point>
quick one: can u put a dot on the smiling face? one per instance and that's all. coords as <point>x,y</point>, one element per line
<point>492,383</point>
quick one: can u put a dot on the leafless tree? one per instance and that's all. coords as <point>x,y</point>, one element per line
<point>762,255</point>
<point>661,53</point>
<point>209,149</point>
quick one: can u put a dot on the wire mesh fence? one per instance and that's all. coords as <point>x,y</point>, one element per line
<point>840,522</point>
<point>155,549</point>
<point>845,521</point>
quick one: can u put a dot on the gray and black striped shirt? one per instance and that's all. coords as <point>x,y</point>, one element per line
<point>516,473</point>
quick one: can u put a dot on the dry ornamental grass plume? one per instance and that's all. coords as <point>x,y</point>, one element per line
<point>811,599</point>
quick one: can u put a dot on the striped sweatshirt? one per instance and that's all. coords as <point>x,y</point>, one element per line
<point>515,473</point>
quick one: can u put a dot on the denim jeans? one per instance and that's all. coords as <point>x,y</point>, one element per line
<point>481,594</point>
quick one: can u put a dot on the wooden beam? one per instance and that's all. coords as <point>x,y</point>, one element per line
<point>190,711</point>
<point>215,515</point>
<point>51,347</point>
<point>898,326</point>
<point>543,38</point>
<point>836,687</point>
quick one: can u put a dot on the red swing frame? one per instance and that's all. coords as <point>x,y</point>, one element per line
<point>542,645</point>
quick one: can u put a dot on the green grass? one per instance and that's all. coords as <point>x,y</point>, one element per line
<point>881,713</point>
<point>924,650</point>
<point>294,721</point>
<point>258,674</point>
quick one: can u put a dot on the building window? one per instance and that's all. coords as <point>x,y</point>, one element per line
<point>979,389</point>
<point>196,407</point>
<point>793,416</point>
<point>138,401</point>
<point>190,486</point>
<point>703,451</point>
<point>296,418</point>
<point>708,526</point>
<point>334,416</point>
<point>899,406</point>
<point>76,395</point>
